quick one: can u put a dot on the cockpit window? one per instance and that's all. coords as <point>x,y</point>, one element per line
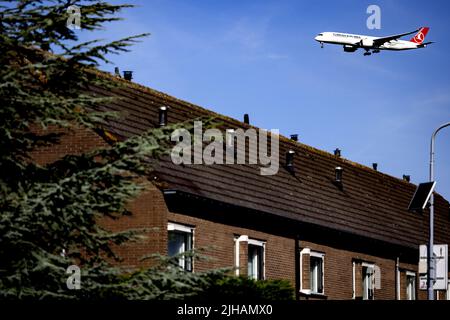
<point>320,34</point>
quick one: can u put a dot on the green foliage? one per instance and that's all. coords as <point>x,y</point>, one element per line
<point>49,209</point>
<point>54,208</point>
<point>223,288</point>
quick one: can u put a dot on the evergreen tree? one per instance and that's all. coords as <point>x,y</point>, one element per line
<point>49,213</point>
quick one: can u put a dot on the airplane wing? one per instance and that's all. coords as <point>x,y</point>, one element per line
<point>380,41</point>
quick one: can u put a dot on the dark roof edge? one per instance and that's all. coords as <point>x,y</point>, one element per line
<point>184,194</point>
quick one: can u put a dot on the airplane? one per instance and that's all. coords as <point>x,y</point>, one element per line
<point>352,42</point>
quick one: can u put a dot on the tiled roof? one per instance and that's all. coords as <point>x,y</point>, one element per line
<point>369,204</point>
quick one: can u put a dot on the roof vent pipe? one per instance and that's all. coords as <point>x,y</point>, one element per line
<point>294,137</point>
<point>338,174</point>
<point>290,160</point>
<point>162,116</point>
<point>246,118</point>
<point>406,178</point>
<point>229,138</point>
<point>337,152</point>
<point>375,166</point>
<point>117,72</point>
<point>128,75</point>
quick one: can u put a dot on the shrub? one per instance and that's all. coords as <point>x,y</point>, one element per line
<point>243,288</point>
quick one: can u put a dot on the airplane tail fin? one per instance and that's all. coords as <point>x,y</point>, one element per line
<point>420,36</point>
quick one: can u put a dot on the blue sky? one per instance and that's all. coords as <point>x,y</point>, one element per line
<point>260,57</point>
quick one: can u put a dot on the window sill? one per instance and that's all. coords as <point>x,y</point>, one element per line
<point>313,295</point>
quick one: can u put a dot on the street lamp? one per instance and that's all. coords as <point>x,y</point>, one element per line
<point>430,258</point>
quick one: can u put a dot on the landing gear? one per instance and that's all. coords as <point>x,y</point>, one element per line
<point>321,45</point>
<point>376,51</point>
<point>367,53</point>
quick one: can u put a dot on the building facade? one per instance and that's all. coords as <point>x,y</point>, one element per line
<point>346,237</point>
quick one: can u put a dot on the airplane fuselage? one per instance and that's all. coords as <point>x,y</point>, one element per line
<point>362,41</point>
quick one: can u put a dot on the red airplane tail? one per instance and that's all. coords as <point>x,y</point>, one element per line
<point>420,36</point>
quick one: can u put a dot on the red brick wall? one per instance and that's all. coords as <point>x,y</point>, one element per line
<point>243,258</point>
<point>75,141</point>
<point>280,259</point>
<point>218,240</point>
<point>338,273</point>
<point>149,208</point>
<point>404,267</point>
<point>150,211</point>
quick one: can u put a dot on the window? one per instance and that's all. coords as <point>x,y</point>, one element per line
<point>256,259</point>
<point>410,285</point>
<point>311,272</point>
<point>316,273</point>
<point>180,240</point>
<point>448,291</point>
<point>368,281</point>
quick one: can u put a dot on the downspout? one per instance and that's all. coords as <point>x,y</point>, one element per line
<point>397,278</point>
<point>297,268</point>
<point>354,279</point>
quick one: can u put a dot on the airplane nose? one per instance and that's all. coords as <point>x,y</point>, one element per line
<point>316,38</point>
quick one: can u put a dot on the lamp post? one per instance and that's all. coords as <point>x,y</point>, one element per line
<point>430,258</point>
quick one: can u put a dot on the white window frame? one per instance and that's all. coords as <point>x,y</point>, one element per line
<point>366,285</point>
<point>172,226</point>
<point>302,253</point>
<point>411,274</point>
<point>308,251</point>
<point>447,296</point>
<point>177,227</point>
<point>397,281</point>
<point>322,257</point>
<point>262,244</point>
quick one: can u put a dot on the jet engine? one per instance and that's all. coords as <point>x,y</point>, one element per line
<point>349,48</point>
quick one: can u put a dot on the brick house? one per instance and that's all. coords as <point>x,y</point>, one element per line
<point>353,239</point>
